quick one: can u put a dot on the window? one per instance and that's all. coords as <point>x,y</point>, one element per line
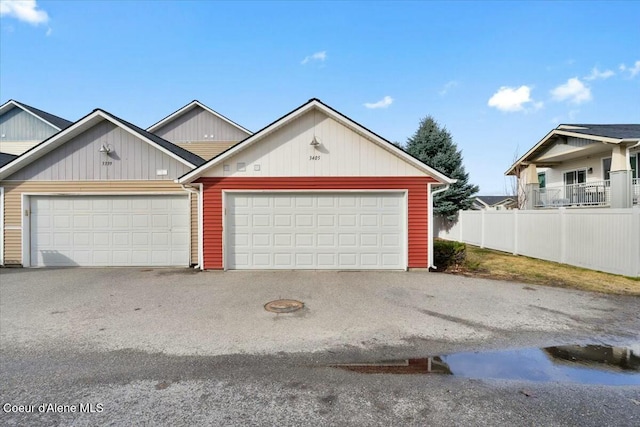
<point>542,179</point>
<point>575,177</point>
<point>606,168</point>
<point>633,160</point>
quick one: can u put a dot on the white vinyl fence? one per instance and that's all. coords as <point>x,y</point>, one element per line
<point>599,239</point>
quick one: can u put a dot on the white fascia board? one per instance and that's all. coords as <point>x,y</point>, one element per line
<point>13,103</point>
<point>188,107</point>
<point>562,132</point>
<point>145,139</point>
<point>196,173</point>
<point>47,145</point>
<point>70,132</point>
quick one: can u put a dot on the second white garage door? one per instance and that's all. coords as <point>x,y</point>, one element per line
<point>136,230</point>
<point>315,230</point>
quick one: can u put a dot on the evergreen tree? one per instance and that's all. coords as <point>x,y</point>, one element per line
<point>435,147</point>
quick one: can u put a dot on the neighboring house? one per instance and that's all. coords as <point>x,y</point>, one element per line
<point>495,203</point>
<point>315,190</point>
<point>581,165</point>
<point>99,193</point>
<point>22,127</point>
<point>199,129</point>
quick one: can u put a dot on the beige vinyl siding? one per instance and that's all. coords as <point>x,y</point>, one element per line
<point>16,147</point>
<point>206,149</point>
<point>13,191</point>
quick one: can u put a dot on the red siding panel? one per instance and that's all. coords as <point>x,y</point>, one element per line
<point>417,206</point>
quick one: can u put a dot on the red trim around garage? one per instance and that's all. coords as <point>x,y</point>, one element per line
<point>417,194</point>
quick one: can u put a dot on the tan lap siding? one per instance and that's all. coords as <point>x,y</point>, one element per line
<point>13,191</point>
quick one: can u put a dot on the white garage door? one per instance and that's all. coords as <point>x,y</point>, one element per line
<point>110,230</point>
<point>315,231</point>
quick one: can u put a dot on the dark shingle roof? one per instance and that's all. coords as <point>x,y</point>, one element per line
<point>611,131</point>
<point>6,158</point>
<point>181,152</point>
<point>492,200</point>
<point>58,122</point>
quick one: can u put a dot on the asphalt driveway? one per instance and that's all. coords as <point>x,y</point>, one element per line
<point>178,346</point>
<point>186,312</point>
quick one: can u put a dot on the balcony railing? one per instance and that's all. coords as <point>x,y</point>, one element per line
<point>593,193</point>
<point>635,187</point>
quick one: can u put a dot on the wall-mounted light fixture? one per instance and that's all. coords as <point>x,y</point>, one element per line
<point>590,170</point>
<point>314,142</point>
<point>106,149</point>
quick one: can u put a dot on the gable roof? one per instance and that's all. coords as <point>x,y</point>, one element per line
<point>606,133</point>
<point>88,121</point>
<point>195,103</point>
<point>628,131</point>
<point>57,122</point>
<point>334,114</point>
<point>6,158</point>
<point>494,200</point>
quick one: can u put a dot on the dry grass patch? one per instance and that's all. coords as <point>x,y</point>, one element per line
<point>503,266</point>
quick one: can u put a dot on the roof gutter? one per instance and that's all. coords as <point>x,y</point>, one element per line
<point>431,219</point>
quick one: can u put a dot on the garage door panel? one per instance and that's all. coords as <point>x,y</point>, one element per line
<point>260,220</point>
<point>369,260</point>
<point>261,239</point>
<point>121,239</point>
<point>304,240</point>
<point>81,221</point>
<point>315,231</point>
<point>282,220</point>
<point>82,240</point>
<point>304,260</point>
<point>304,201</point>
<point>327,260</point>
<point>101,239</point>
<point>110,230</point>
<point>326,220</point>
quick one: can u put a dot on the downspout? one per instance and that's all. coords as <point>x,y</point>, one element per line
<point>198,192</point>
<point>431,219</point>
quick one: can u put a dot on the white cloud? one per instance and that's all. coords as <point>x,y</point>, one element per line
<point>635,70</point>
<point>318,56</point>
<point>597,74</point>
<point>448,86</point>
<point>24,10</point>
<point>383,103</point>
<point>509,99</point>
<point>573,91</point>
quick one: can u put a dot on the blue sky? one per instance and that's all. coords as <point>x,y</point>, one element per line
<point>498,75</point>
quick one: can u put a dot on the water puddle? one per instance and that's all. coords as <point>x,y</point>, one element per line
<point>588,364</point>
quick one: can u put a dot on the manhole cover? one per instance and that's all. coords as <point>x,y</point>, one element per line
<point>283,306</point>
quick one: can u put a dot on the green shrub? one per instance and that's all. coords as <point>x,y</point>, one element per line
<point>448,254</point>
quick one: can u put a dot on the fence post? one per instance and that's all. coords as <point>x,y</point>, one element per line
<point>563,235</point>
<point>482,211</point>
<point>635,214</point>
<point>515,231</point>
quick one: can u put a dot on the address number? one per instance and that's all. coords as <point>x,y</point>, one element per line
<point>314,157</point>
